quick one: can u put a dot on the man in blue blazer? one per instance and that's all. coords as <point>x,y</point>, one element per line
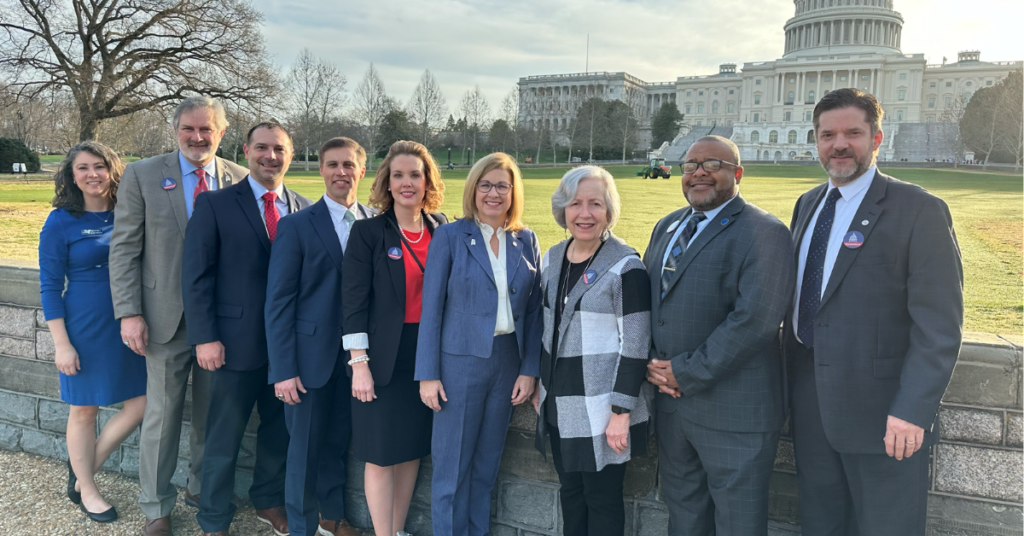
<point>307,361</point>
<point>224,280</point>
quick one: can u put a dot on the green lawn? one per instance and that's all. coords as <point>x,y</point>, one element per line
<point>986,207</point>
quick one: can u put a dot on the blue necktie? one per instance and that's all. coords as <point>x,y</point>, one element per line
<point>678,249</point>
<point>814,269</point>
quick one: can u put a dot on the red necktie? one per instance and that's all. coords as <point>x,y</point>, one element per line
<point>201,185</point>
<point>270,214</point>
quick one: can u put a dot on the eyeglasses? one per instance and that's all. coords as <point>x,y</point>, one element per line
<point>710,166</point>
<point>485,187</point>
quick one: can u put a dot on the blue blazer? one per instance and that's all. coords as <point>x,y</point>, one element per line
<point>460,299</point>
<point>224,273</point>
<point>303,310</point>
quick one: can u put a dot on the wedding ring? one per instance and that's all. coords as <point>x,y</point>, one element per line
<point>280,397</point>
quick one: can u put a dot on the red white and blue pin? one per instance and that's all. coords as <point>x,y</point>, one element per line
<point>853,240</point>
<point>589,276</point>
<point>168,183</point>
<point>395,254</point>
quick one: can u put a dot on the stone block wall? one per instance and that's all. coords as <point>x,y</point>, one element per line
<point>976,470</point>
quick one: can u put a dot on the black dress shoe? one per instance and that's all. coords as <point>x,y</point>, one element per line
<point>109,516</point>
<point>73,496</point>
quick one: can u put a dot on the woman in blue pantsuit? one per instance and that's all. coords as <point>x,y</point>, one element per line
<point>478,352</point>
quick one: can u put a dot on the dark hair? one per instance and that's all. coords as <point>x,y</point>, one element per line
<point>341,142</point>
<point>270,124</point>
<point>847,97</point>
<point>67,194</point>
<point>433,195</point>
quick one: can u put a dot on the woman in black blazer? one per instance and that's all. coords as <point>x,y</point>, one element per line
<point>381,300</point>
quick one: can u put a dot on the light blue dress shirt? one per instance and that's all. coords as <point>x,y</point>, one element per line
<point>258,190</point>
<point>189,179</point>
<point>337,212</point>
<point>700,227</point>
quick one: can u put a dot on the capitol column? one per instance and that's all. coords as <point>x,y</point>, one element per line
<point>817,89</point>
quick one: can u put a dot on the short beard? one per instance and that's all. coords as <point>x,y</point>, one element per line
<point>862,167</point>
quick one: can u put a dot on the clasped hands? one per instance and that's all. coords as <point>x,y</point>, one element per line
<point>660,374</point>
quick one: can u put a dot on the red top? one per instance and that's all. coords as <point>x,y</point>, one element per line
<point>413,275</point>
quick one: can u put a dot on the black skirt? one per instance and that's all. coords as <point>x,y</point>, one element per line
<point>395,427</point>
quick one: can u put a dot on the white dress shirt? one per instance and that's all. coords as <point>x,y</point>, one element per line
<point>504,324</point>
<point>258,190</point>
<point>700,227</point>
<point>337,211</point>
<point>846,208</point>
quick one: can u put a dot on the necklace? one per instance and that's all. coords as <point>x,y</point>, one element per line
<point>110,213</point>
<point>565,285</point>
<point>411,241</point>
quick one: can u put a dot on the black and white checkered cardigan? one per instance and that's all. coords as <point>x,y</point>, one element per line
<point>603,345</point>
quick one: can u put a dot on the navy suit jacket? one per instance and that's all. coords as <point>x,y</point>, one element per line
<point>303,311</point>
<point>224,273</point>
<point>460,299</point>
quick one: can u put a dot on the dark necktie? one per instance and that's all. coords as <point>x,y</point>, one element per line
<point>814,269</point>
<point>677,250</point>
<point>201,185</point>
<point>270,214</point>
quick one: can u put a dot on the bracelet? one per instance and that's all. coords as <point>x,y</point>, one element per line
<point>360,359</point>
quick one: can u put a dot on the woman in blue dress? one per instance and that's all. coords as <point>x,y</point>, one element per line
<point>96,368</point>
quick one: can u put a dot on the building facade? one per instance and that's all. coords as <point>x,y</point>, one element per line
<point>766,107</point>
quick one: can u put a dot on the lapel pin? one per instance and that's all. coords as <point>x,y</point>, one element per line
<point>853,240</point>
<point>514,244</point>
<point>672,227</point>
<point>589,276</point>
<point>472,241</point>
<point>724,221</point>
<point>394,253</point>
<point>168,183</point>
<point>865,222</point>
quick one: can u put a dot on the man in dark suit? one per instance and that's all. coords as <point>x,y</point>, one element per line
<point>721,277</point>
<point>224,282</point>
<point>874,332</point>
<point>307,361</point>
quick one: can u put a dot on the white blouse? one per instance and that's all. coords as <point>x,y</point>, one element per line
<point>504,323</point>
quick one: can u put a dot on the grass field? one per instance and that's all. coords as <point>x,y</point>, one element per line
<point>987,211</point>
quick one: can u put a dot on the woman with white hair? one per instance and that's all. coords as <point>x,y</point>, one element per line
<point>593,402</point>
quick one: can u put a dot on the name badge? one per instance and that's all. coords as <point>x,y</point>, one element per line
<point>589,276</point>
<point>853,240</point>
<point>168,183</point>
<point>395,253</point>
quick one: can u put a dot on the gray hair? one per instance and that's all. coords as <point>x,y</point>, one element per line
<point>195,103</point>
<point>570,183</point>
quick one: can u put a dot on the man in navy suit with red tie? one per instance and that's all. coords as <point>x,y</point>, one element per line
<point>307,361</point>
<point>224,280</point>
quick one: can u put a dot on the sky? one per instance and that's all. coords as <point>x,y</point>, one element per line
<point>492,43</point>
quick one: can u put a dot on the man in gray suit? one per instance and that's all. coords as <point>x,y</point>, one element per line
<point>721,281</point>
<point>155,200</point>
<point>874,332</point>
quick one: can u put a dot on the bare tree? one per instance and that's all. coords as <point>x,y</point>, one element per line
<point>316,95</point>
<point>952,140</point>
<point>629,119</point>
<point>117,57</point>
<point>427,107</point>
<point>510,113</point>
<point>1014,116</point>
<point>372,104</point>
<point>476,111</point>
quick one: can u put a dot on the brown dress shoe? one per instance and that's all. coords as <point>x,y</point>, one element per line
<point>340,527</point>
<point>191,500</point>
<point>160,526</point>
<point>276,518</point>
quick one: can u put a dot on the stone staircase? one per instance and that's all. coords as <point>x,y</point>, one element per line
<point>918,142</point>
<point>675,152</point>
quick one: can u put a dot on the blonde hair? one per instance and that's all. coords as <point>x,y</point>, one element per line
<point>433,195</point>
<point>487,164</point>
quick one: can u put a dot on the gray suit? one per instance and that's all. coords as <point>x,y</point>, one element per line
<point>719,325</point>
<point>145,279</point>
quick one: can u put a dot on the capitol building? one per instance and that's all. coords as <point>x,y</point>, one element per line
<point>766,107</point>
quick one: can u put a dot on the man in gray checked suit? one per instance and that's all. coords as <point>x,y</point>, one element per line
<point>155,200</point>
<point>722,275</point>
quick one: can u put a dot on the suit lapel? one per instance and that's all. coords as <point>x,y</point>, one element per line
<point>176,196</point>
<point>868,211</point>
<point>477,245</point>
<point>224,176</point>
<point>722,220</point>
<point>513,256</point>
<point>251,209</point>
<point>603,260</point>
<point>805,217</point>
<point>395,267</point>
<point>656,252</point>
<point>324,226</point>
<point>291,200</point>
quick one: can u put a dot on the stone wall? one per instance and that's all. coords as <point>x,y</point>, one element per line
<point>976,470</point>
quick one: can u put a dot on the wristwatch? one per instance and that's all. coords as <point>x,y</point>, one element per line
<point>619,410</point>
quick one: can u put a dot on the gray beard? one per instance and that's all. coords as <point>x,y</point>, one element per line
<point>861,168</point>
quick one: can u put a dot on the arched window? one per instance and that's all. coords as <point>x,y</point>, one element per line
<point>810,136</point>
<point>792,155</point>
<point>791,138</point>
<point>765,157</point>
<point>714,107</point>
<point>773,136</point>
<point>755,136</point>
<point>778,155</point>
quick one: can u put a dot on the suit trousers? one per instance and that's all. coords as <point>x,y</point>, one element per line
<point>844,494</point>
<point>232,397</point>
<point>469,436</point>
<point>320,427</point>
<point>168,367</point>
<point>715,482</point>
<point>592,503</point>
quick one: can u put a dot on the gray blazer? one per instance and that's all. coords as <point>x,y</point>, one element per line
<point>148,238</point>
<point>719,322</point>
<point>888,330</point>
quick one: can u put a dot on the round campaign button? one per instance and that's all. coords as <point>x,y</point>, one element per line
<point>589,276</point>
<point>853,240</point>
<point>168,183</point>
<point>395,253</point>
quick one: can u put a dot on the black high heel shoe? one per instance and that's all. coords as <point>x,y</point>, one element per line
<point>103,517</point>
<point>73,496</point>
